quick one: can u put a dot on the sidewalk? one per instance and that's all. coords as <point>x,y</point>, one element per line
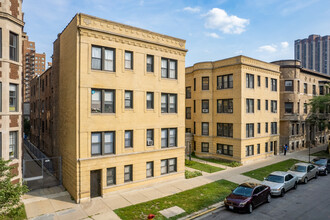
<point>56,203</point>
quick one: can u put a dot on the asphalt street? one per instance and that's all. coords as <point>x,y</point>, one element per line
<point>308,201</point>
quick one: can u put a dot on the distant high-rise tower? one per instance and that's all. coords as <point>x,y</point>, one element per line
<point>34,64</point>
<point>313,52</point>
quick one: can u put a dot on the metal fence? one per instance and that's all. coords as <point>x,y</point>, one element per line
<point>40,171</point>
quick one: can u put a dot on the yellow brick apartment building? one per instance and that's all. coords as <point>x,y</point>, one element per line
<point>120,106</point>
<point>232,108</point>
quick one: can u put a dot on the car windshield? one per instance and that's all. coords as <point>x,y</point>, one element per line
<point>243,191</point>
<point>298,168</point>
<point>275,178</point>
<point>321,162</point>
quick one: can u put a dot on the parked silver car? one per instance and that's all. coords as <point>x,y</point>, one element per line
<point>280,182</point>
<point>304,171</point>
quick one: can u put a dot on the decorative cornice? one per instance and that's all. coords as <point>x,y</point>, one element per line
<point>119,38</point>
<point>11,18</point>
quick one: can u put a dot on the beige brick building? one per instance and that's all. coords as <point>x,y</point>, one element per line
<point>232,108</point>
<point>298,85</point>
<point>11,24</point>
<point>119,98</point>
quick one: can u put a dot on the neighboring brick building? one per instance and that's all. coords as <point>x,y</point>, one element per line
<point>232,108</point>
<point>42,112</point>
<point>11,25</point>
<point>298,85</point>
<point>34,64</point>
<point>119,100</point>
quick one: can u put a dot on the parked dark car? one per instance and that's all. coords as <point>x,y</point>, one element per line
<point>323,165</point>
<point>247,197</point>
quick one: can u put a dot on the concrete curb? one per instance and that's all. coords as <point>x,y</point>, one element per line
<point>202,212</point>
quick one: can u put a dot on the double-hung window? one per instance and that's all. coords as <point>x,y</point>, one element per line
<point>314,89</point>
<point>150,63</point>
<point>188,92</point>
<point>250,130</point>
<point>169,68</point>
<point>249,81</point>
<point>225,81</point>
<point>288,107</point>
<point>288,84</point>
<point>0,51</point>
<point>205,106</point>
<point>205,128</point>
<point>205,83</point>
<point>273,127</point>
<point>249,150</point>
<point>13,145</point>
<point>13,98</point>
<point>129,60</point>
<point>128,173</point>
<point>249,105</point>
<point>103,58</point>
<point>168,137</point>
<point>224,130</point>
<point>266,147</point>
<point>111,176</point>
<point>273,84</point>
<point>128,99</point>
<point>150,169</point>
<point>225,106</point>
<point>305,88</point>
<point>103,143</point>
<point>150,137</point>
<point>225,149</point>
<point>266,127</point>
<point>168,103</point>
<point>273,106</point>
<point>266,105</point>
<point>128,139</point>
<point>266,82</point>
<point>205,147</point>
<point>150,100</point>
<point>188,112</point>
<point>168,166</point>
<point>103,101</point>
<point>13,46</point>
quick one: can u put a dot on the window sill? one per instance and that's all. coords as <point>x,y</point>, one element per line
<point>103,113</point>
<point>169,113</point>
<point>104,71</point>
<point>169,78</point>
<point>224,88</point>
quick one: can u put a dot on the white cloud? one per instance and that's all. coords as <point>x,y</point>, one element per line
<point>218,19</point>
<point>214,35</point>
<point>192,10</point>
<point>268,48</point>
<point>284,44</point>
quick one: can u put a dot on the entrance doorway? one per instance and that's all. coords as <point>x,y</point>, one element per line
<point>95,189</point>
<point>275,148</point>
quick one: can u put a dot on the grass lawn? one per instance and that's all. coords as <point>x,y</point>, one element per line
<point>260,173</point>
<point>18,214</point>
<point>190,200</point>
<point>322,154</point>
<point>191,174</point>
<point>219,161</point>
<point>202,167</point>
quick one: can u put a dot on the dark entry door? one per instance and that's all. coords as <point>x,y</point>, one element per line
<point>95,183</point>
<point>275,148</point>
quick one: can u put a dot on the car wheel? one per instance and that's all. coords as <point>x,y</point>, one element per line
<point>316,176</point>
<point>227,207</point>
<point>326,172</point>
<point>305,180</point>
<point>250,208</point>
<point>295,185</point>
<point>282,192</point>
<point>269,198</point>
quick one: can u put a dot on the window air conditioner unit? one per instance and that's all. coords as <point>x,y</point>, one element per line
<point>205,110</point>
<point>150,142</point>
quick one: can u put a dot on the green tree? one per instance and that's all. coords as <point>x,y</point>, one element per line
<point>319,112</point>
<point>10,193</point>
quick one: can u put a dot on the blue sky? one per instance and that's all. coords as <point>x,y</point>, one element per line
<point>213,29</point>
